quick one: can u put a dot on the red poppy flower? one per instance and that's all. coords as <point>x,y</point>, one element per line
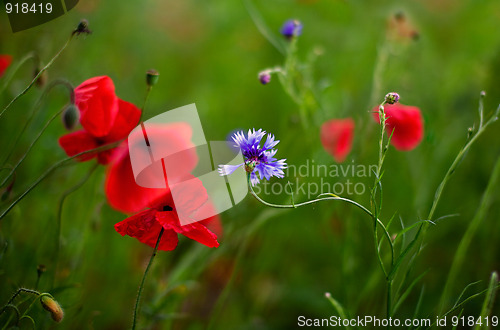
<point>146,225</point>
<point>407,124</point>
<point>122,190</point>
<point>336,137</point>
<point>104,117</point>
<point>5,61</point>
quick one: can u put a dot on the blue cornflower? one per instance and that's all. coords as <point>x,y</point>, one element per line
<point>291,28</point>
<point>257,158</point>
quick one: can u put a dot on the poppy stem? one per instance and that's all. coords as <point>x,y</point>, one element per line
<point>52,169</point>
<point>59,216</point>
<point>141,287</point>
<point>16,68</point>
<point>37,76</point>
<point>57,82</point>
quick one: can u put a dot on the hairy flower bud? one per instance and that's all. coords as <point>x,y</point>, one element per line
<point>152,77</point>
<point>392,98</point>
<point>51,305</point>
<point>265,77</point>
<point>83,27</point>
<point>70,117</point>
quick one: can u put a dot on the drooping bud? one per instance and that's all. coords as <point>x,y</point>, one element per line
<point>291,28</point>
<point>52,306</point>
<point>152,77</point>
<point>265,77</point>
<point>83,27</point>
<point>392,98</point>
<point>70,116</point>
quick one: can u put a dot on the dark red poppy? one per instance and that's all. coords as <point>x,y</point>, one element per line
<point>5,61</point>
<point>336,137</point>
<point>406,122</point>
<point>146,225</point>
<point>121,187</point>
<point>104,117</point>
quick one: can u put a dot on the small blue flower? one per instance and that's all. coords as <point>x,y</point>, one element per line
<point>291,28</point>
<point>257,158</point>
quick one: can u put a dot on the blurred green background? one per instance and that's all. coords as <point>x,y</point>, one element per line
<point>272,266</point>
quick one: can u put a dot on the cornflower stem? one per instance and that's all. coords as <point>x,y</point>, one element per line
<point>141,287</point>
<point>328,196</point>
<point>37,76</point>
<point>52,169</point>
<point>62,82</point>
<point>59,216</point>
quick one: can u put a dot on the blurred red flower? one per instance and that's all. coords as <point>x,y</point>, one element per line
<point>406,122</point>
<point>146,225</point>
<point>5,61</point>
<point>104,117</point>
<point>336,137</point>
<point>123,191</point>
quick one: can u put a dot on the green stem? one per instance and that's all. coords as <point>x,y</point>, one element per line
<point>331,197</point>
<point>59,216</point>
<point>52,169</point>
<point>141,287</point>
<point>14,70</point>
<point>16,294</point>
<point>37,76</point>
<point>459,257</point>
<point>63,82</point>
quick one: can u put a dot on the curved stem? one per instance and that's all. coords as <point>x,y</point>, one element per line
<point>52,169</point>
<point>63,82</point>
<point>141,287</point>
<point>13,71</point>
<point>332,197</point>
<point>37,76</point>
<point>59,216</point>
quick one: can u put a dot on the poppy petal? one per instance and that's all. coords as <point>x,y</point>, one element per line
<point>405,123</point>
<point>126,119</point>
<point>195,231</point>
<point>5,61</point>
<point>122,192</point>
<point>98,105</point>
<point>146,229</point>
<point>77,142</point>
<point>336,137</point>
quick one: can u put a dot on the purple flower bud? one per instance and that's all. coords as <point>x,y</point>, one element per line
<point>265,77</point>
<point>291,28</point>
<point>392,98</point>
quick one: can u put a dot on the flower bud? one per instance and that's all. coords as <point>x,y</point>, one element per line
<point>51,305</point>
<point>265,77</point>
<point>291,28</point>
<point>152,77</point>
<point>41,269</point>
<point>392,98</point>
<point>83,27</point>
<point>70,117</point>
